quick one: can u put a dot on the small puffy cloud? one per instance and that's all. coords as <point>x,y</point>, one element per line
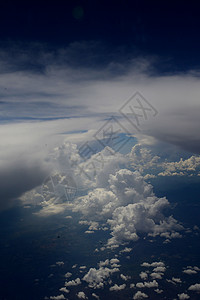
<point>143,275</point>
<point>59,297</point>
<point>132,285</point>
<point>177,280</point>
<point>153,264</point>
<point>126,250</point>
<point>159,269</point>
<point>117,287</point>
<point>150,284</point>
<point>183,296</point>
<point>158,291</point>
<point>95,296</point>
<point>95,277</point>
<point>75,282</point>
<point>68,274</point>
<point>114,261</point>
<point>139,295</point>
<point>156,275</point>
<point>124,277</point>
<point>63,289</point>
<point>60,263</point>
<point>81,295</point>
<point>189,271</point>
<point>195,287</point>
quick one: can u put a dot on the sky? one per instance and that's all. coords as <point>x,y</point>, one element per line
<point>73,71</point>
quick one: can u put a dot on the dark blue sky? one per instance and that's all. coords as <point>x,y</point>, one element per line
<point>167,29</point>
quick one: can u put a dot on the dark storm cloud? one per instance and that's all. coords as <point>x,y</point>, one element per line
<point>17,179</point>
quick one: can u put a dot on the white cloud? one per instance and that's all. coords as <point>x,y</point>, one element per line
<point>143,275</point>
<point>95,296</point>
<point>159,269</point>
<point>59,297</point>
<point>125,277</point>
<point>177,280</point>
<point>96,277</point>
<point>63,289</point>
<point>150,284</point>
<point>84,97</point>
<point>126,250</point>
<point>189,271</point>
<point>81,295</point>
<point>75,282</point>
<point>195,287</point>
<point>153,264</point>
<point>60,263</point>
<point>156,275</point>
<point>117,287</point>
<point>68,274</point>
<point>139,295</point>
<point>183,296</point>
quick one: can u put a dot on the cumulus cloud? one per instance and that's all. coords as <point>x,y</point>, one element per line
<point>183,296</point>
<point>116,287</point>
<point>150,284</point>
<point>63,289</point>
<point>143,275</point>
<point>60,263</point>
<point>195,287</point>
<point>59,297</point>
<point>153,264</point>
<point>158,291</point>
<point>130,207</point>
<point>125,277</point>
<point>191,270</point>
<point>140,295</point>
<point>68,274</point>
<point>81,295</point>
<point>152,165</point>
<point>95,296</point>
<point>75,282</point>
<point>96,277</point>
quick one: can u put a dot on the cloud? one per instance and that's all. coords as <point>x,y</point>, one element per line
<point>63,289</point>
<point>183,296</point>
<point>143,275</point>
<point>50,100</point>
<point>189,271</point>
<point>158,291</point>
<point>96,277</point>
<point>156,275</point>
<point>60,263</point>
<point>68,274</point>
<point>116,287</point>
<point>95,296</point>
<point>139,295</point>
<point>125,277</point>
<point>150,284</point>
<point>75,282</point>
<point>81,295</point>
<point>152,165</point>
<point>59,297</point>
<point>195,287</point>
